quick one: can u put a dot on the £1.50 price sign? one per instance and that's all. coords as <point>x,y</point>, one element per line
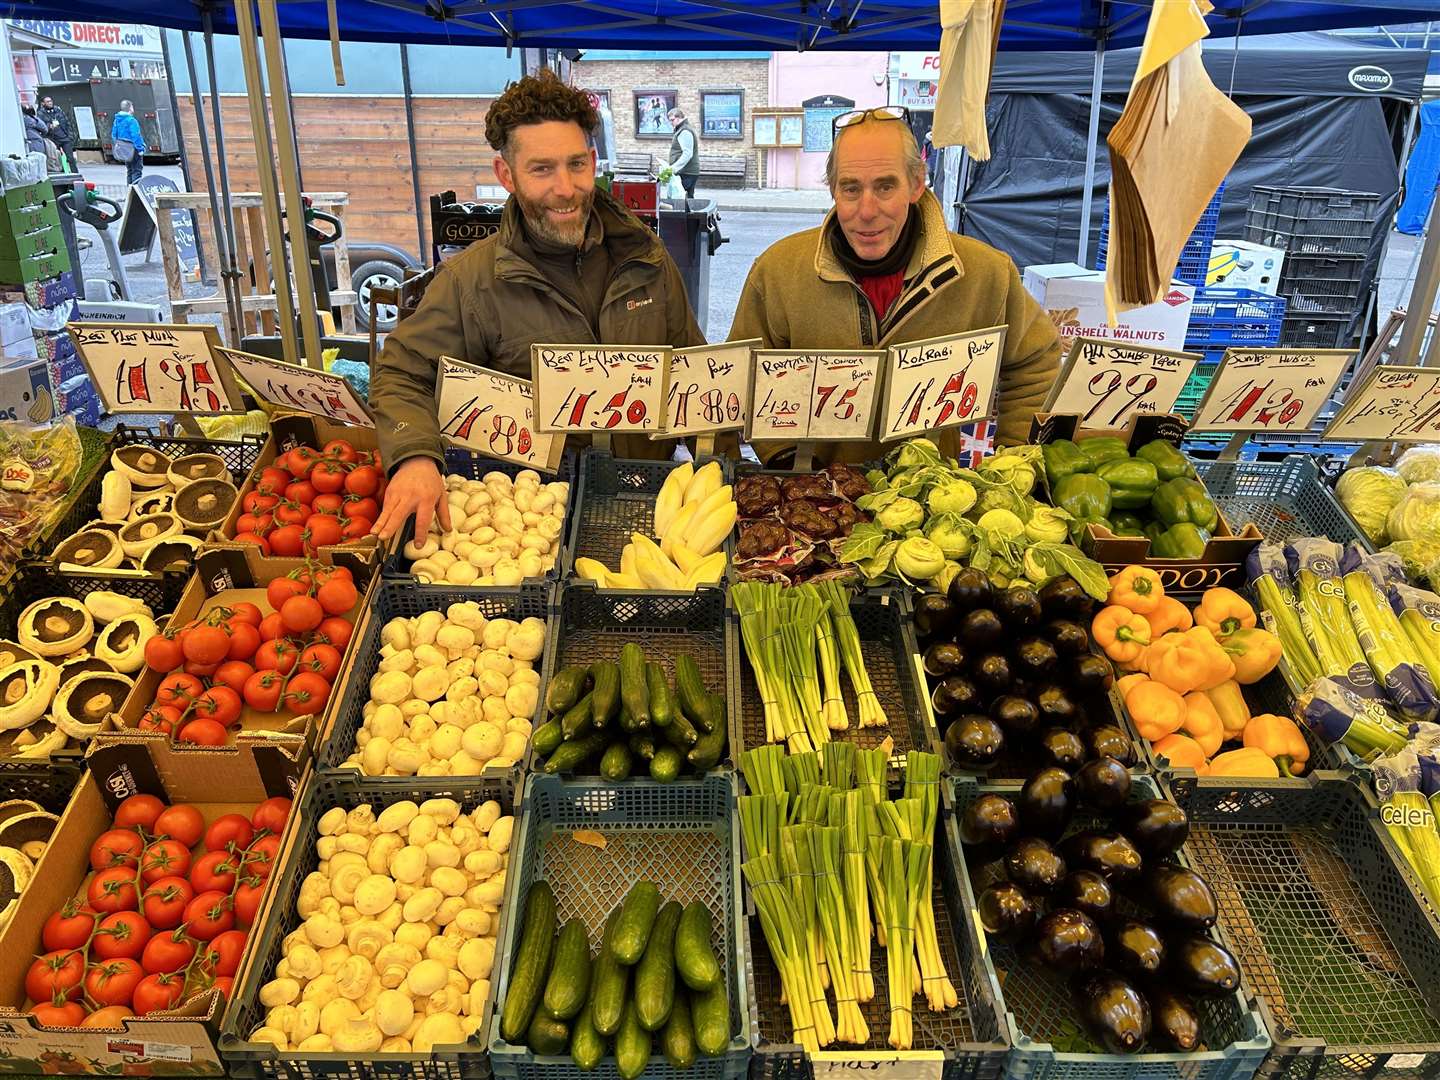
<point>307,389</point>
<point>156,367</point>
<point>1107,382</point>
<point>594,389</point>
<point>813,396</point>
<point>709,389</point>
<point>1392,404</point>
<point>494,414</point>
<point>1270,389</point>
<point>940,382</point>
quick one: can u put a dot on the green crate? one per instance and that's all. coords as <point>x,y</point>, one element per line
<point>28,218</point>
<point>29,243</point>
<point>31,195</point>
<point>35,267</point>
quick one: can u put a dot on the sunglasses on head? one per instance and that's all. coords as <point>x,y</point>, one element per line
<point>884,112</point>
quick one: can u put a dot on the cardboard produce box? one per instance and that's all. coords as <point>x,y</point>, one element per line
<point>1074,298</point>
<point>1223,562</point>
<point>177,1043</point>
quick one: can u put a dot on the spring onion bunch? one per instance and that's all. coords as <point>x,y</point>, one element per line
<point>788,938</point>
<point>922,783</point>
<point>1270,577</point>
<point>848,638</point>
<point>838,933</point>
<point>761,629</point>
<point>903,864</point>
<point>1405,679</point>
<point>1409,818</point>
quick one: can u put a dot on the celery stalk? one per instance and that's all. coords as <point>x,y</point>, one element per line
<point>1406,684</point>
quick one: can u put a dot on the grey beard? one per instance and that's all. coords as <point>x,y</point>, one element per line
<point>542,227</point>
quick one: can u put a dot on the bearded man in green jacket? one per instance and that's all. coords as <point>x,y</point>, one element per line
<point>883,270</point>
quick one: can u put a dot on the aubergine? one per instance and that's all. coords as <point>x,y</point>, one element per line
<point>974,741</point>
<point>1068,636</point>
<point>1158,828</point>
<point>1091,674</point>
<point>991,672</point>
<point>1087,891</point>
<point>1202,966</point>
<point>981,629</point>
<point>943,659</point>
<point>1135,947</point>
<point>1063,598</point>
<point>1107,853</point>
<point>1059,746</point>
<point>1018,608</point>
<point>1067,940</point>
<point>1180,897</point>
<point>1113,1011</point>
<point>1107,740</point>
<point>1007,912</point>
<point>1056,705</point>
<point>1035,658</point>
<point>1046,802</point>
<point>1034,865</point>
<point>1015,714</point>
<point>969,589</point>
<point>1175,1020</point>
<point>1103,783</point>
<point>990,822</point>
<point>954,696</point>
<point>935,616</point>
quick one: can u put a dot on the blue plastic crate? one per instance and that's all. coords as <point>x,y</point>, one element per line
<point>1223,317</point>
<point>1194,257</point>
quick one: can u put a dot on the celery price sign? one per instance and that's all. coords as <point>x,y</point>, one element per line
<point>940,382</point>
<point>809,396</point>
<point>306,389</point>
<point>597,389</point>
<point>493,414</point>
<point>1107,382</point>
<point>709,389</point>
<point>1270,389</point>
<point>1392,404</point>
<point>156,367</point>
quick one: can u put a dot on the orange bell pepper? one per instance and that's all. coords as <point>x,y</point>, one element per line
<point>1224,611</point>
<point>1128,682</point>
<point>1194,662</point>
<point>1281,740</point>
<point>1254,652</point>
<point>1230,705</point>
<point>1182,752</point>
<point>1169,616</point>
<point>1250,762</point>
<point>1157,710</point>
<point>1122,633</point>
<point>1202,722</point>
<point>1137,588</point>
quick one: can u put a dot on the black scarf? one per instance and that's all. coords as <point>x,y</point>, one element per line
<point>897,258</point>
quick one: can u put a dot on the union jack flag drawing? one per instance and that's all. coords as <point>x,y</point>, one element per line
<point>976,441</point>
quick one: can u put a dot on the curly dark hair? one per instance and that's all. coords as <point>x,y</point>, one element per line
<point>533,100</point>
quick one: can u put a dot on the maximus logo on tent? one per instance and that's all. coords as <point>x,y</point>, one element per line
<point>1371,79</point>
<point>1175,298</point>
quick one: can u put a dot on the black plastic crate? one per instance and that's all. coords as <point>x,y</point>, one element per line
<point>1312,221</point>
<point>253,1060</point>
<point>49,785</point>
<point>1317,332</point>
<point>1329,927</point>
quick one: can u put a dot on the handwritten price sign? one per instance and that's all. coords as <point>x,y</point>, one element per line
<point>494,414</point>
<point>880,1064</point>
<point>800,396</point>
<point>593,389</point>
<point>709,389</point>
<point>306,389</point>
<point>1107,382</point>
<point>1270,389</point>
<point>156,368</point>
<point>1393,404</point>
<point>940,382</point>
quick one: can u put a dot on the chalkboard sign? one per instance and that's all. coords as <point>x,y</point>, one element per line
<point>820,113</point>
<point>137,230</point>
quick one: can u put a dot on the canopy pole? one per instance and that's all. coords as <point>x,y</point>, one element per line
<point>232,272</point>
<point>265,169</point>
<point>1092,149</point>
<point>1422,294</point>
<point>414,153</point>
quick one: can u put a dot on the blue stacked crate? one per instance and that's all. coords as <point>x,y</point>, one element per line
<point>1221,319</point>
<point>1195,257</point>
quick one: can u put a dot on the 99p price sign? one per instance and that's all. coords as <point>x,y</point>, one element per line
<point>493,414</point>
<point>1270,389</point>
<point>709,389</point>
<point>940,382</point>
<point>595,389</point>
<point>806,396</point>
<point>1107,382</point>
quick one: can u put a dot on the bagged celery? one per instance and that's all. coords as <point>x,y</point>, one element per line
<point>1419,613</point>
<point>1270,577</point>
<point>1408,817</point>
<point>1405,679</point>
<point>1325,615</point>
<point>1336,713</point>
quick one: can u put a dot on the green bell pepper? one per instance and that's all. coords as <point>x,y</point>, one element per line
<point>1103,448</point>
<point>1184,500</point>
<point>1183,541</point>
<point>1154,530</point>
<point>1132,481</point>
<point>1167,458</point>
<point>1123,523</point>
<point>1082,495</point>
<point>1063,458</point>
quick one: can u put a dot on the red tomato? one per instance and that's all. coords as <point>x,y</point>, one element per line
<point>167,952</point>
<point>54,973</point>
<point>233,674</point>
<point>163,653</point>
<point>262,690</point>
<point>291,513</point>
<point>356,529</point>
<point>165,900</point>
<point>281,589</point>
<point>322,659</point>
<point>210,913</point>
<point>271,815</point>
<point>306,693</point>
<point>336,631</point>
<point>205,644</point>
<point>122,935</point>
<point>228,832</point>
<point>225,984</point>
<point>366,508</point>
<point>321,530</point>
<point>203,732</point>
<point>181,822</point>
<point>68,928</point>
<point>201,671</point>
<point>328,476</point>
<point>301,614</point>
<point>179,689</point>
<point>254,523</point>
<point>156,993</point>
<point>316,575</point>
<point>329,503</point>
<point>259,502</point>
<point>248,895</point>
<point>363,480</point>
<point>68,1014</point>
<point>139,810</point>
<point>113,890</point>
<point>215,870</point>
<point>111,1018</point>
<point>260,859</point>
<point>245,612</point>
<point>219,703</point>
<point>337,597</point>
<point>244,640</point>
<point>271,627</point>
<point>301,460</point>
<point>164,858</point>
<point>117,847</point>
<point>288,541</point>
<point>301,491</point>
<point>278,654</point>
<point>273,480</point>
<point>222,955</point>
<point>340,450</point>
<point>161,718</point>
<point>256,539</point>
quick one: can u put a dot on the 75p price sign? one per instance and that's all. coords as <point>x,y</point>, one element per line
<point>156,368</point>
<point>709,389</point>
<point>307,389</point>
<point>1106,382</point>
<point>596,389</point>
<point>494,414</point>
<point>1270,389</point>
<point>1392,404</point>
<point>940,382</point>
<point>809,396</point>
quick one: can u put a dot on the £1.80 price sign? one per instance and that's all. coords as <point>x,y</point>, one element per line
<point>1392,404</point>
<point>941,382</point>
<point>494,414</point>
<point>709,389</point>
<point>1107,382</point>
<point>811,396</point>
<point>594,389</point>
<point>1270,389</point>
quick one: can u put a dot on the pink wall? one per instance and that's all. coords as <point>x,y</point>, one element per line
<point>797,76</point>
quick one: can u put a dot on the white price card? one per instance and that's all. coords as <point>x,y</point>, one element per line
<point>156,367</point>
<point>305,389</point>
<point>879,1064</point>
<point>709,389</point>
<point>813,396</point>
<point>940,382</point>
<point>494,414</point>
<point>1392,404</point>
<point>594,389</point>
<point>1270,389</point>
<point>1107,382</point>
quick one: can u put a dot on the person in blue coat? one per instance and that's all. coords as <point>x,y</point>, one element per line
<point>126,127</point>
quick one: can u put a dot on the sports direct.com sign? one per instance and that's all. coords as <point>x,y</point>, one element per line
<point>108,37</point>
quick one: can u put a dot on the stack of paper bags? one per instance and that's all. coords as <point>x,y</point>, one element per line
<point>969,35</point>
<point>1169,151</point>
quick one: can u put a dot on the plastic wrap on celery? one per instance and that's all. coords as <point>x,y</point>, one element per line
<point>1326,617</point>
<point>1419,613</point>
<point>1408,817</point>
<point>1274,586</point>
<point>1406,680</point>
<point>1336,713</point>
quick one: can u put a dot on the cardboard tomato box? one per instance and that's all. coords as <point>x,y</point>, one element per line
<point>230,574</point>
<point>181,1042</point>
<point>1223,562</point>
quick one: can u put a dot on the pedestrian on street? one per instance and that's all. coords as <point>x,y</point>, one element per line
<point>57,130</point>
<point>127,145</point>
<point>34,130</point>
<point>684,152</point>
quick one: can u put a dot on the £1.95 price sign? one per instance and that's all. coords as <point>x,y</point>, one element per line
<point>812,396</point>
<point>1391,404</point>
<point>1107,382</point>
<point>709,389</point>
<point>156,367</point>
<point>594,389</point>
<point>940,382</point>
<point>310,390</point>
<point>494,414</point>
<point>1270,389</point>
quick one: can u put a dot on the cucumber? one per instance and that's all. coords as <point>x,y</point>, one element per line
<point>547,1035</point>
<point>655,974</point>
<point>680,732</point>
<point>576,752</point>
<point>633,690</point>
<point>605,696</point>
<point>615,765</point>
<point>566,687</point>
<point>608,985</point>
<point>627,722</point>
<point>662,702</point>
<point>677,1041</point>
<point>691,692</point>
<point>710,1011</point>
<point>576,720</point>
<point>532,963</point>
<point>632,1045</point>
<point>569,982</point>
<point>587,1046</point>
<point>637,916</point>
<point>710,747</point>
<point>547,738</point>
<point>665,766</point>
<point>643,746</point>
<point>694,958</point>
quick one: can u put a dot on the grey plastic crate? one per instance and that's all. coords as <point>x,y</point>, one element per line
<point>1284,499</point>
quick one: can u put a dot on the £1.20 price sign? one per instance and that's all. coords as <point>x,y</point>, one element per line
<point>307,389</point>
<point>814,396</point>
<point>1270,389</point>
<point>595,389</point>
<point>156,367</point>
<point>494,414</point>
<point>1391,404</point>
<point>709,389</point>
<point>1107,382</point>
<point>940,382</point>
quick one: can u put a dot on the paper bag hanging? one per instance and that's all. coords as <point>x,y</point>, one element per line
<point>970,31</point>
